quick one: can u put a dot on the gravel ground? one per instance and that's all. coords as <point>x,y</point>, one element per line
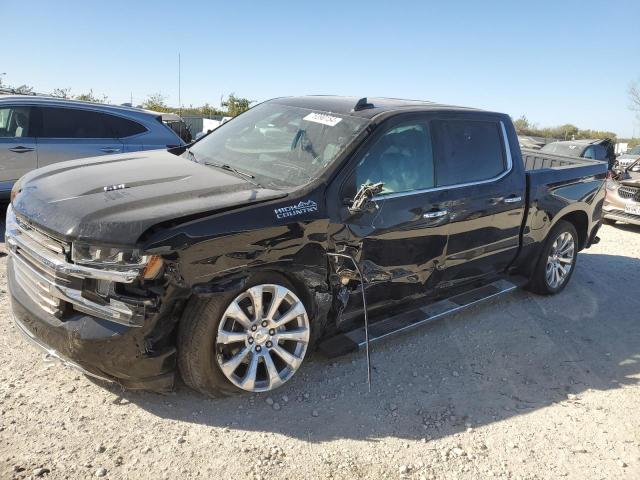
<point>522,387</point>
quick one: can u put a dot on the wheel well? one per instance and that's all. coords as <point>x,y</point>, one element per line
<point>580,221</point>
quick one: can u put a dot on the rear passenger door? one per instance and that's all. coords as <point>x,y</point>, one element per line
<point>485,195</point>
<point>17,144</point>
<point>70,133</point>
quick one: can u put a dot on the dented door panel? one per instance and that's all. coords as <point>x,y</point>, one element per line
<point>399,251</point>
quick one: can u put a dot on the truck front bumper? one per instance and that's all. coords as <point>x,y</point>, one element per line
<point>98,347</point>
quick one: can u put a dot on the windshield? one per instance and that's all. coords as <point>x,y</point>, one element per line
<point>282,146</point>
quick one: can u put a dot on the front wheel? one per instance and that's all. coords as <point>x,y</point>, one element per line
<point>557,260</point>
<point>249,341</point>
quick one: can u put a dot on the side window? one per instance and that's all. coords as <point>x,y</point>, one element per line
<point>401,158</point>
<point>589,153</point>
<point>122,127</point>
<point>15,122</point>
<point>467,151</point>
<point>600,152</point>
<point>74,123</point>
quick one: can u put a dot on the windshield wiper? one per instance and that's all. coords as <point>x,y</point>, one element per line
<point>229,168</point>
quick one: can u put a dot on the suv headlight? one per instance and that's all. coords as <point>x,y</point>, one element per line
<point>10,223</point>
<point>116,258</point>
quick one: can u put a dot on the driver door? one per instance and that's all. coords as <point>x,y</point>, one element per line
<point>400,237</point>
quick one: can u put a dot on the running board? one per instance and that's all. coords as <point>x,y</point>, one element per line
<point>351,341</point>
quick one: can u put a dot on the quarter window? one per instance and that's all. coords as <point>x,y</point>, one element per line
<point>467,151</point>
<point>402,159</point>
<point>122,127</point>
<point>15,122</point>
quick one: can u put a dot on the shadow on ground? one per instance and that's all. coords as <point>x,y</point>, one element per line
<point>492,362</point>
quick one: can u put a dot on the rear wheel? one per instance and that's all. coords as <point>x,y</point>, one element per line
<point>253,340</point>
<point>557,260</point>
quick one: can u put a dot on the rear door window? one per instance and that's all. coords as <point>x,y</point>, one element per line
<point>74,123</point>
<point>467,151</point>
<point>15,122</point>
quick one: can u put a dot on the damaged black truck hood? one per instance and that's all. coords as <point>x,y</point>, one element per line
<point>115,199</point>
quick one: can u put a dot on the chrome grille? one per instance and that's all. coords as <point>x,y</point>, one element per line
<point>42,270</point>
<point>36,278</point>
<point>630,193</point>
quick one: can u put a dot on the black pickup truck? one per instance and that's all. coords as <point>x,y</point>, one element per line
<point>309,221</point>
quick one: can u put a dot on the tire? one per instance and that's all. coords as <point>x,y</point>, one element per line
<point>552,257</point>
<point>213,332</point>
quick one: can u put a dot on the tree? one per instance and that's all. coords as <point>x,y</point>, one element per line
<point>156,102</point>
<point>61,92</point>
<point>634,95</point>
<point>236,105</point>
<point>522,125</point>
<point>90,97</point>
<point>23,90</point>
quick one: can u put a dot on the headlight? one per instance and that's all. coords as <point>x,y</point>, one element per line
<point>10,222</point>
<point>86,254</point>
<point>117,258</point>
<point>15,189</point>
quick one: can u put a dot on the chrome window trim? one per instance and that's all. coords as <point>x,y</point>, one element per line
<point>507,150</point>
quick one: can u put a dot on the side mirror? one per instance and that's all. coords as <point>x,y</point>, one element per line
<point>364,196</point>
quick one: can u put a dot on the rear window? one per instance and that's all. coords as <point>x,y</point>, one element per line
<point>467,151</point>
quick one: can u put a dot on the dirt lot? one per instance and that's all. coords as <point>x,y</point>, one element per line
<point>523,387</point>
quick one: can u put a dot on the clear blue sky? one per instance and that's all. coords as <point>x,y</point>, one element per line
<point>555,61</point>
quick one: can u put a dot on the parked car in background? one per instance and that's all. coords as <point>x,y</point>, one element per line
<point>175,123</point>
<point>622,200</point>
<point>37,131</point>
<point>295,222</point>
<point>630,157</point>
<point>529,142</point>
<point>602,149</point>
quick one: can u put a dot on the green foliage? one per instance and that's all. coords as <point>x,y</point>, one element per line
<point>157,102</point>
<point>236,105</point>
<point>90,97</point>
<point>23,90</point>
<point>563,132</point>
<point>61,92</point>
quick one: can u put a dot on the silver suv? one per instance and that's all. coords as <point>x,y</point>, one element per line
<point>37,131</point>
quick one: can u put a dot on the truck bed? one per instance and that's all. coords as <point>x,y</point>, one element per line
<point>536,160</point>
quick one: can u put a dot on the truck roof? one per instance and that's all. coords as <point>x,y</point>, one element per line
<point>366,107</point>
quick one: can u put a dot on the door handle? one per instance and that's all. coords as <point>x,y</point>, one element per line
<point>110,149</point>
<point>512,200</point>
<point>435,214</point>
<point>21,149</point>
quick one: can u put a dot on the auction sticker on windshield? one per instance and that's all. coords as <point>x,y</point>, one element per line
<point>323,118</point>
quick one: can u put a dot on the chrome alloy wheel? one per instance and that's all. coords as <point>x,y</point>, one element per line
<point>262,338</point>
<point>560,260</point>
